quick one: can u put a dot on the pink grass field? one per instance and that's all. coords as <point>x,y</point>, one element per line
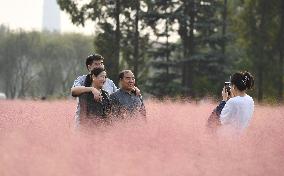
<point>38,138</point>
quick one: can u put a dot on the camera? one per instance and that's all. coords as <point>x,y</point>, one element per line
<point>228,87</point>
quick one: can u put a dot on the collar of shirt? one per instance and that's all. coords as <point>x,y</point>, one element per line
<point>126,92</point>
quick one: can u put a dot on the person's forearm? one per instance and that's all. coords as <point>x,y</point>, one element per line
<point>220,107</point>
<point>77,91</point>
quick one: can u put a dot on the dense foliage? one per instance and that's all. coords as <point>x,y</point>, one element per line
<point>175,47</point>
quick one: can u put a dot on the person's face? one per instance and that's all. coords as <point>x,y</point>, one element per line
<point>128,81</point>
<point>96,64</point>
<point>100,79</point>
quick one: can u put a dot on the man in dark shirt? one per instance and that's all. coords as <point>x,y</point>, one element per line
<point>124,102</point>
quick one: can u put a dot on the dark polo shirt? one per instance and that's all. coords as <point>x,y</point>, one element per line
<point>125,104</point>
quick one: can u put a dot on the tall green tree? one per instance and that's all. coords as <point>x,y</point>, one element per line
<point>104,45</point>
<point>259,26</point>
<point>98,11</point>
<point>164,78</point>
<point>206,60</point>
<point>280,48</point>
<point>35,64</point>
<point>134,39</point>
<point>18,51</point>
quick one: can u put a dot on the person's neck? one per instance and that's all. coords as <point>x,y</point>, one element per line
<point>126,90</point>
<point>240,93</point>
<point>97,87</point>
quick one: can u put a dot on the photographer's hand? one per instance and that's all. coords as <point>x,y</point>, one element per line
<point>225,94</point>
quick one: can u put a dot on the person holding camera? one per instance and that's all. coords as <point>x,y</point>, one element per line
<point>236,109</point>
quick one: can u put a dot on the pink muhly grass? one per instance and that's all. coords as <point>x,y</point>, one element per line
<point>40,138</point>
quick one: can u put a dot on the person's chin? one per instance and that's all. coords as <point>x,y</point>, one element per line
<point>129,89</point>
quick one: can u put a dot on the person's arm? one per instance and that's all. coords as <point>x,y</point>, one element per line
<point>227,110</point>
<point>220,107</point>
<point>78,88</point>
<point>114,88</point>
<point>214,118</point>
<point>227,113</point>
<point>222,104</point>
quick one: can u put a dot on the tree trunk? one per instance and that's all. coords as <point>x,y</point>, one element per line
<point>117,40</point>
<point>260,52</point>
<point>136,44</point>
<point>280,49</point>
<point>259,84</point>
<point>281,72</point>
<point>167,47</point>
<point>191,28</point>
<point>190,51</point>
<point>224,27</point>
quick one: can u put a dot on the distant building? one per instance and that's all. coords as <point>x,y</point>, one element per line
<point>51,16</point>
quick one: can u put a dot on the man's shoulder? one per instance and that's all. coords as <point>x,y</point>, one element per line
<point>109,81</point>
<point>82,77</point>
<point>79,81</point>
<point>116,94</point>
<point>109,86</point>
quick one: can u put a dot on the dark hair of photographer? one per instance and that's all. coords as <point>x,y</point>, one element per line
<point>94,57</point>
<point>95,72</point>
<point>242,80</point>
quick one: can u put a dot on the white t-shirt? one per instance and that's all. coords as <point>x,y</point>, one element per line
<point>237,112</point>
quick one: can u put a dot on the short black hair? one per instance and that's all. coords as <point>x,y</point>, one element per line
<point>121,74</point>
<point>96,72</point>
<point>94,57</point>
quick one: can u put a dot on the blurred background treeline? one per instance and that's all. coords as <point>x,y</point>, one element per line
<point>176,48</point>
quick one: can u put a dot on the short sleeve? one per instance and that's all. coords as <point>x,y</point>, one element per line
<point>79,81</point>
<point>227,113</point>
<point>114,87</point>
<point>109,86</point>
